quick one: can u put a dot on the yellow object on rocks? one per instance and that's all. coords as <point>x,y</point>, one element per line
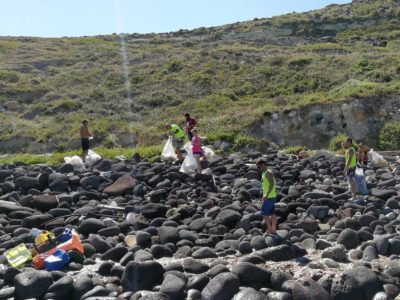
<point>18,256</point>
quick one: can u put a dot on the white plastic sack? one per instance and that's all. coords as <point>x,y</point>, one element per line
<point>208,152</point>
<point>359,172</point>
<point>376,159</point>
<point>92,157</point>
<point>168,152</point>
<point>190,163</point>
<point>76,162</point>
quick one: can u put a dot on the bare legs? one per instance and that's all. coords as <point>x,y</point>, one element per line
<point>353,188</point>
<point>84,154</point>
<point>197,158</point>
<point>178,153</point>
<point>271,222</point>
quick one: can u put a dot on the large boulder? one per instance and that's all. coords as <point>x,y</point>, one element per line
<point>222,287</point>
<point>250,274</point>
<point>282,253</point>
<point>91,225</point>
<point>26,182</point>
<point>32,284</point>
<point>348,238</point>
<point>58,182</point>
<point>168,234</point>
<point>358,283</point>
<point>45,202</point>
<point>173,286</point>
<point>228,217</point>
<point>337,253</point>
<point>308,289</point>
<point>120,186</point>
<point>139,276</point>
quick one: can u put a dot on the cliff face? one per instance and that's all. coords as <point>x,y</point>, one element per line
<point>315,125</point>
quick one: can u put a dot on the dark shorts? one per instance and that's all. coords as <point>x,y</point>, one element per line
<point>351,174</point>
<point>268,207</point>
<point>85,144</point>
<point>190,136</point>
<point>178,143</point>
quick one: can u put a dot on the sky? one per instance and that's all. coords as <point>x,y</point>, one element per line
<point>57,18</point>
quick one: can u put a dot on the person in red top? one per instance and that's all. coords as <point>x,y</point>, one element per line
<point>189,125</point>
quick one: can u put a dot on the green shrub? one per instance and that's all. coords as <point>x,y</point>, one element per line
<point>389,136</point>
<point>335,142</point>
<point>242,141</point>
<point>226,136</point>
<point>293,149</point>
<point>174,65</point>
<point>10,77</point>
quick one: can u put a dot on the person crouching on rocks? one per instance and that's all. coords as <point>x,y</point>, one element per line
<point>196,148</point>
<point>268,197</point>
<point>350,165</point>
<point>178,139</point>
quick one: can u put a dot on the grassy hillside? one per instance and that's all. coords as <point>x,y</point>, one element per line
<point>226,76</point>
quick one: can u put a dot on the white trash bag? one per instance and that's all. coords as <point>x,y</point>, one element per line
<point>76,162</point>
<point>168,152</point>
<point>190,163</point>
<point>376,159</point>
<point>208,152</point>
<point>92,157</point>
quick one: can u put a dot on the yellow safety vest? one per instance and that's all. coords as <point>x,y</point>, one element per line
<point>265,187</point>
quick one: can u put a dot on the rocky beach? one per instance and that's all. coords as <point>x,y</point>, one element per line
<point>151,232</point>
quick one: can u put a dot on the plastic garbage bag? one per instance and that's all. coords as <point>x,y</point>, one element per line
<point>190,163</point>
<point>168,152</point>
<point>208,152</point>
<point>376,159</point>
<point>92,157</point>
<point>359,172</point>
<point>361,185</point>
<point>76,162</point>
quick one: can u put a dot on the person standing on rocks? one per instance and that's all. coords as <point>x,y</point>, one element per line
<point>196,148</point>
<point>350,165</point>
<point>268,197</point>
<point>85,136</point>
<point>178,139</point>
<point>190,123</point>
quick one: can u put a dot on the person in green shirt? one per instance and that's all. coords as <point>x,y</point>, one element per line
<point>268,197</point>
<point>350,165</point>
<point>178,138</point>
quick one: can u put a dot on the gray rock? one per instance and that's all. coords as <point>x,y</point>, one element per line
<point>91,225</point>
<point>348,238</point>
<point>222,287</point>
<point>32,284</point>
<point>358,283</point>
<point>173,286</point>
<point>370,253</point>
<point>204,252</point>
<point>337,253</point>
<point>251,274</point>
<point>250,294</point>
<point>308,289</point>
<point>139,276</point>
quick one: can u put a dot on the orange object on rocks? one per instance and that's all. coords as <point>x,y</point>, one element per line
<point>73,244</point>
